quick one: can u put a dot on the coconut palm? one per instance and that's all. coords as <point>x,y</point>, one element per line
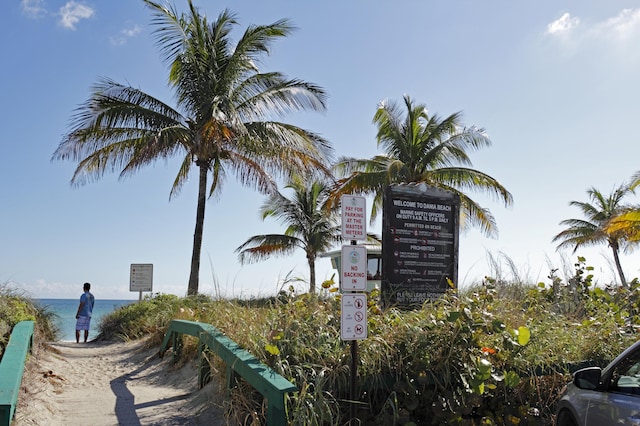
<point>422,148</point>
<point>594,229</point>
<point>310,226</point>
<point>224,122</point>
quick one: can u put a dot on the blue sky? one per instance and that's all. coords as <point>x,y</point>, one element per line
<point>554,83</point>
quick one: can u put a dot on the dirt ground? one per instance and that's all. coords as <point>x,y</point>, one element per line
<point>113,383</point>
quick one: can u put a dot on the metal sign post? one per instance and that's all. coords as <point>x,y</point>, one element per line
<point>353,317</point>
<point>353,327</point>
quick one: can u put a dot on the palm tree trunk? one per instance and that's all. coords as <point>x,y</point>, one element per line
<point>616,259</point>
<point>312,274</point>
<point>194,277</point>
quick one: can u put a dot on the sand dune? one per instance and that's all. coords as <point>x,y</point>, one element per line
<point>112,383</point>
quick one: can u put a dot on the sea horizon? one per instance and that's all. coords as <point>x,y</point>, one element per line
<point>65,314</point>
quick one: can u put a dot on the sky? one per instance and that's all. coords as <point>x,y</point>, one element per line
<point>553,83</point>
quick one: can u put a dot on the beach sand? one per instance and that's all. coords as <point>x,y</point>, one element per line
<point>113,383</point>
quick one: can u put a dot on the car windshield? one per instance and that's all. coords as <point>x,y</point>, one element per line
<point>626,375</point>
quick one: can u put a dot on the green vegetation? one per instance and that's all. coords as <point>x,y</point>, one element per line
<point>15,307</point>
<point>494,354</point>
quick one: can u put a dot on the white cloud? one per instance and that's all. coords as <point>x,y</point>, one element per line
<point>33,8</point>
<point>615,37</point>
<point>124,35</point>
<point>72,12</point>
<point>563,25</point>
<point>130,32</point>
<point>622,26</point>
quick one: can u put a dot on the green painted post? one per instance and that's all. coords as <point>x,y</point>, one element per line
<point>231,378</point>
<point>177,346</point>
<point>276,414</point>
<point>204,370</point>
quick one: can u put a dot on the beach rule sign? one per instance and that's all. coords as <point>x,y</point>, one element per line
<point>354,217</point>
<point>353,317</point>
<point>141,277</point>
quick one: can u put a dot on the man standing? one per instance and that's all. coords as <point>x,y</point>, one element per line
<point>83,316</point>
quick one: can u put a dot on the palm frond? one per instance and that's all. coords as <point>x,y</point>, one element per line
<point>260,247</point>
<point>181,177</point>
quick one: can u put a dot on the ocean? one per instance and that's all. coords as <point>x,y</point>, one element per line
<point>66,309</point>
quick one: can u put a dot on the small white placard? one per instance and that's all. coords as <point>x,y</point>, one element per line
<point>353,274</point>
<point>354,218</point>
<point>353,318</point>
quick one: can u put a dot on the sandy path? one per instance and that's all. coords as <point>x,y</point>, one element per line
<point>102,384</point>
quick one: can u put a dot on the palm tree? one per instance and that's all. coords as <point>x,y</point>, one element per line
<point>310,225</point>
<point>419,148</point>
<point>224,122</point>
<point>594,229</point>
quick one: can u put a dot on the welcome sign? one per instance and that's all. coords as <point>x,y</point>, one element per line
<point>419,243</point>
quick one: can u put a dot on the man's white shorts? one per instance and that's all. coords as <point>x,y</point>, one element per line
<point>83,323</point>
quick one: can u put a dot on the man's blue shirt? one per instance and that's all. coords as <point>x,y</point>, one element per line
<point>88,300</point>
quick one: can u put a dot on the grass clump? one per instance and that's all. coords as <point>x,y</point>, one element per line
<point>16,307</point>
<point>150,317</point>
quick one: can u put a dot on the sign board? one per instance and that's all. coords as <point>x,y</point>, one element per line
<point>353,273</point>
<point>419,243</point>
<point>353,318</point>
<point>354,218</point>
<point>141,277</point>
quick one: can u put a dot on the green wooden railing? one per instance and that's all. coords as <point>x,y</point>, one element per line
<point>239,362</point>
<point>12,368</point>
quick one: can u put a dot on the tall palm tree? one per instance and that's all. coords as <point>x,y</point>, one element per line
<point>310,225</point>
<point>224,122</point>
<point>419,147</point>
<point>594,229</point>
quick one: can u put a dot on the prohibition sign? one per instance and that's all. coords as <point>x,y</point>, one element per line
<point>353,324</point>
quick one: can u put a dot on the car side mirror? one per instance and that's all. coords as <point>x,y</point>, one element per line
<point>587,378</point>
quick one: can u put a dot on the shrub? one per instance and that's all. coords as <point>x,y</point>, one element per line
<point>497,353</point>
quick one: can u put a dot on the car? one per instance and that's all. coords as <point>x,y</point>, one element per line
<point>604,396</point>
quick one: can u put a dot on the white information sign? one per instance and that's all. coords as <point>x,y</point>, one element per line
<point>141,277</point>
<point>354,217</point>
<point>353,274</point>
<point>353,319</point>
